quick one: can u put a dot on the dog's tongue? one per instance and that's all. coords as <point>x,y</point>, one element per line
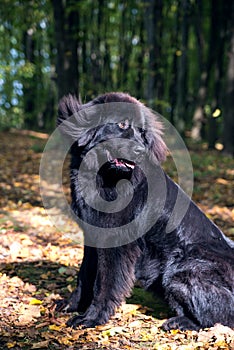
<point>121,162</point>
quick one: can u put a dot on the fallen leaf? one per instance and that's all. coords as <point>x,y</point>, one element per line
<point>53,327</point>
<point>35,302</point>
<point>112,331</point>
<point>40,345</point>
<point>219,332</point>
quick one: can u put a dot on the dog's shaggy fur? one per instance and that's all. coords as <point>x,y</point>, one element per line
<point>192,267</point>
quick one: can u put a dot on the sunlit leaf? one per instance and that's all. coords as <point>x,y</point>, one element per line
<point>35,302</point>
<point>54,327</point>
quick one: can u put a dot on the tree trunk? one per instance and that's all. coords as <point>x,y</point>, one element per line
<point>174,77</point>
<point>182,84</point>
<point>96,56</point>
<point>214,64</point>
<point>218,30</point>
<point>126,34</point>
<point>106,71</point>
<point>66,34</point>
<point>153,24</point>
<point>140,60</point>
<point>228,134</point>
<point>199,114</point>
<point>29,88</point>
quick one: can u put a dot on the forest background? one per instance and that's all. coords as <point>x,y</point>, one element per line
<point>177,56</point>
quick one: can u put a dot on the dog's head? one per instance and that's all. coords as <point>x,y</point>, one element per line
<point>113,123</point>
<point>116,147</point>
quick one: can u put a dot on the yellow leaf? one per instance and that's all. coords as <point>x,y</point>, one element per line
<point>11,345</point>
<point>35,302</point>
<point>69,287</point>
<point>221,344</point>
<point>175,331</point>
<point>64,341</point>
<point>216,113</point>
<point>42,310</point>
<point>146,336</point>
<point>70,279</point>
<point>178,53</point>
<point>53,327</point>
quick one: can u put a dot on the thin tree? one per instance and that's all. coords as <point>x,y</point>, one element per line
<point>199,113</point>
<point>182,82</point>
<point>66,22</point>
<point>228,133</point>
<point>153,25</point>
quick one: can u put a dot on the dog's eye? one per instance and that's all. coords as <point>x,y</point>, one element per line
<point>124,124</point>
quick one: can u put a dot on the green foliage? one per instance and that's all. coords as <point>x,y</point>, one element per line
<point>118,48</point>
<point>27,70</point>
<point>155,305</point>
<point>25,63</point>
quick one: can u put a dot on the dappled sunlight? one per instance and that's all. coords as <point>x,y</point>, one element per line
<point>56,59</point>
<point>38,263</point>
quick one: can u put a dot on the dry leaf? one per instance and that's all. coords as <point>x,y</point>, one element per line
<point>40,345</point>
<point>219,332</point>
<point>112,331</point>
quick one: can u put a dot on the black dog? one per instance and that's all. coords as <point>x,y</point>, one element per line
<point>192,266</point>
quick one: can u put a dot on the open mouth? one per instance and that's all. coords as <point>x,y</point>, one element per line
<point>123,163</point>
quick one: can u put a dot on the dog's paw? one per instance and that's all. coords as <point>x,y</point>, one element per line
<point>65,305</point>
<point>179,322</point>
<point>71,304</point>
<point>80,320</point>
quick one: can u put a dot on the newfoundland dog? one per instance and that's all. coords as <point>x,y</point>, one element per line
<point>116,151</point>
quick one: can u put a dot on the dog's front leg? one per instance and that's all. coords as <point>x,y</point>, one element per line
<point>82,296</point>
<point>114,282</point>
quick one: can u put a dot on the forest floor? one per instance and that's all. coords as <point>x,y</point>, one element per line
<point>38,263</point>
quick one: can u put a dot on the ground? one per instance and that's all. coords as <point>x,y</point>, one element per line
<point>38,263</point>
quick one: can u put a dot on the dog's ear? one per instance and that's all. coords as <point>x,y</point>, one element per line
<point>68,106</point>
<point>153,134</point>
<point>157,147</point>
<point>73,121</point>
